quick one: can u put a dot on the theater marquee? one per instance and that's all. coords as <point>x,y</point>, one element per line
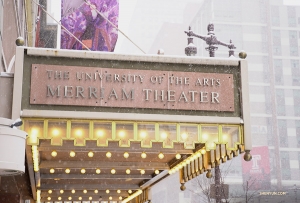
<point>93,86</point>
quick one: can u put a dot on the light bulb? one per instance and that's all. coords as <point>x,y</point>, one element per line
<point>84,191</point>
<point>96,191</point>
<point>129,191</point>
<point>113,171</point>
<point>52,170</point>
<point>143,134</point>
<point>67,170</point>
<point>108,154</point>
<point>80,198</point>
<point>156,172</point>
<point>127,171</point>
<point>55,132</point>
<point>50,191</point>
<point>143,155</point>
<point>49,198</point>
<point>110,198</point>
<point>119,191</point>
<point>61,191</point>
<point>90,154</point>
<point>122,134</point>
<point>120,198</point>
<point>90,198</point>
<point>142,171</point>
<point>73,191</point>
<point>163,135</point>
<point>82,171</point>
<point>178,156</point>
<point>203,151</point>
<point>69,198</point>
<point>161,155</point>
<point>59,198</point>
<point>98,171</point>
<point>107,191</point>
<point>54,153</point>
<point>72,154</point>
<point>126,155</point>
<point>184,136</point>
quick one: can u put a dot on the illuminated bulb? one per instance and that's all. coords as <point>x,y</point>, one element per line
<point>122,134</point>
<point>55,132</point>
<point>54,153</point>
<point>204,136</point>
<point>49,198</point>
<point>110,198</point>
<point>203,151</point>
<point>100,133</point>
<point>90,154</point>
<point>50,191</point>
<point>108,154</point>
<point>198,154</point>
<point>96,191</point>
<point>69,198</point>
<point>82,171</point>
<point>178,156</point>
<point>142,171</point>
<point>184,136</point>
<point>90,198</point>
<point>180,166</point>
<point>59,198</point>
<point>61,191</point>
<point>163,135</point>
<point>34,132</point>
<point>118,191</point>
<point>73,191</point>
<point>80,198</point>
<point>78,133</point>
<point>184,164</point>
<point>129,191</point>
<point>127,171</point>
<point>113,171</point>
<point>72,153</point>
<point>170,172</point>
<point>67,170</point>
<point>107,191</point>
<point>126,155</point>
<point>187,161</point>
<point>161,155</point>
<point>156,172</point>
<point>120,198</point>
<point>143,134</point>
<point>143,155</point>
<point>98,171</point>
<point>84,191</point>
<point>52,170</point>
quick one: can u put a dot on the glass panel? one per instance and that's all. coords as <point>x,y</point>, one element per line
<point>56,131</point>
<point>102,133</point>
<point>146,133</point>
<point>167,134</point>
<point>79,132</point>
<point>35,130</point>
<point>188,135</point>
<point>124,133</point>
<point>210,135</point>
<point>230,135</point>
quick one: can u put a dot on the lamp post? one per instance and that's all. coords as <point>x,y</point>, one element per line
<point>191,50</point>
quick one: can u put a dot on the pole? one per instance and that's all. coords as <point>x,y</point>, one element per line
<point>218,184</point>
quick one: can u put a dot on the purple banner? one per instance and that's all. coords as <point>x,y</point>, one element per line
<point>92,29</point>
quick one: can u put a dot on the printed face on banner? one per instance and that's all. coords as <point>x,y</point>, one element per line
<point>257,171</point>
<point>83,20</point>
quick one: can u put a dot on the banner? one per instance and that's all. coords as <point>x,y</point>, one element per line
<point>256,173</point>
<point>85,23</point>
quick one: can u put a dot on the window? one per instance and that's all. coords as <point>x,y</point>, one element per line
<point>278,72</point>
<point>275,15</point>
<point>295,72</point>
<point>282,130</point>
<point>276,42</point>
<point>297,125</point>
<point>292,21</point>
<point>285,165</point>
<point>296,102</point>
<point>280,101</point>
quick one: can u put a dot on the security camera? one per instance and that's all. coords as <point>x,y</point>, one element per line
<point>17,123</point>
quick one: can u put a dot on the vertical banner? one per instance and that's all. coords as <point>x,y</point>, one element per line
<point>256,173</point>
<point>92,29</point>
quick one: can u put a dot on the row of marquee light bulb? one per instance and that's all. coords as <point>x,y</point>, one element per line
<point>109,155</point>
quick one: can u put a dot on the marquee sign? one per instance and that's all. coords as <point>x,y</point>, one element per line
<point>111,87</point>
